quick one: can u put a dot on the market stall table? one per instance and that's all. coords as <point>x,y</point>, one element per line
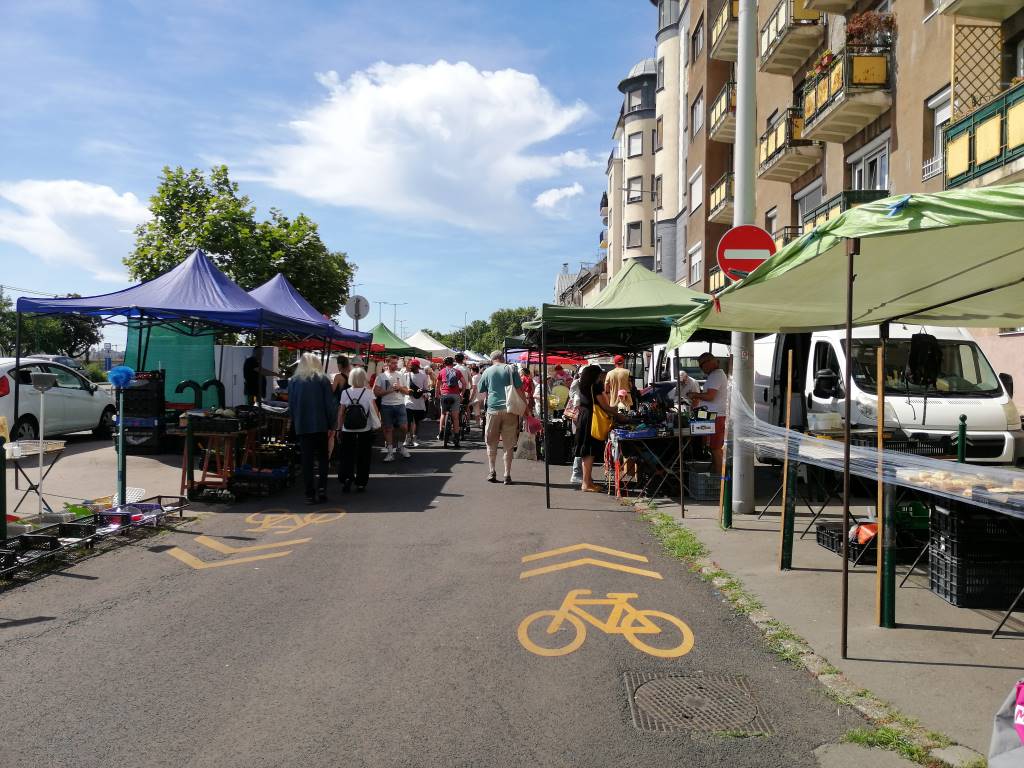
<point>21,450</point>
<point>658,449</point>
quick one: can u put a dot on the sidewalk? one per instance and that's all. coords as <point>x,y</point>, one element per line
<point>938,665</point>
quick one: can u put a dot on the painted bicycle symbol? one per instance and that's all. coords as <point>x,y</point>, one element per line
<point>282,521</point>
<point>566,631</point>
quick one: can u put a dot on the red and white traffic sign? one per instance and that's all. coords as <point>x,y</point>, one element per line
<point>744,248</point>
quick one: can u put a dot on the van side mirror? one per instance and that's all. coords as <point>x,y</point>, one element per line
<point>826,383</point>
<point>1007,380</point>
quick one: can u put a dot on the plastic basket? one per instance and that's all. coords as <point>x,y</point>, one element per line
<point>704,486</point>
<point>968,584</point>
<point>974,526</point>
<point>830,536</point>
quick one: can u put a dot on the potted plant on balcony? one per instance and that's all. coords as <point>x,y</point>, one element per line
<point>823,63</point>
<point>870,28</point>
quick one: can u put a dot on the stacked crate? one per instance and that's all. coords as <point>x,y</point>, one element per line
<point>144,407</point>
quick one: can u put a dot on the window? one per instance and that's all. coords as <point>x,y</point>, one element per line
<point>657,192</point>
<point>825,359</point>
<point>696,255</point>
<point>635,189</point>
<point>668,12</point>
<point>1018,59</point>
<point>634,100</point>
<point>661,74</point>
<point>697,40</point>
<point>808,198</point>
<point>771,221</point>
<point>697,114</point>
<point>696,184</point>
<point>937,114</point>
<point>634,234</point>
<point>963,369</point>
<point>869,166</point>
<point>657,255</point>
<point>659,127</point>
<point>65,378</point>
<point>636,144</point>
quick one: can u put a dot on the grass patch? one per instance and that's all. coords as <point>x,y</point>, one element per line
<point>678,541</point>
<point>890,739</point>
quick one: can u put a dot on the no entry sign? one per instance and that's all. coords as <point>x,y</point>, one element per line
<point>743,248</point>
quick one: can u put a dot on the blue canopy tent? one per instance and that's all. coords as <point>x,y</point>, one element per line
<point>279,295</point>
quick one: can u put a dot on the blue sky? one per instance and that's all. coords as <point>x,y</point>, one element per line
<point>454,149</point>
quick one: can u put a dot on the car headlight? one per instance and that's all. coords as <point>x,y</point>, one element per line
<point>1012,415</point>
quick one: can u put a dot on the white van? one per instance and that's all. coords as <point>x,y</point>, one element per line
<point>966,385</point>
<point>663,363</point>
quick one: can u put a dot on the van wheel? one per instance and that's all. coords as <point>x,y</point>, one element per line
<point>27,428</point>
<point>106,426</point>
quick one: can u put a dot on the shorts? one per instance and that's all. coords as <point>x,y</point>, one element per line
<point>451,403</point>
<point>392,416</point>
<point>717,440</point>
<point>415,415</point>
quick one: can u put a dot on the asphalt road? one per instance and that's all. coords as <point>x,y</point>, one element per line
<point>387,638</point>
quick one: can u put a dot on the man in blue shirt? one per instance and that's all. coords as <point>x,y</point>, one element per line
<point>500,423</point>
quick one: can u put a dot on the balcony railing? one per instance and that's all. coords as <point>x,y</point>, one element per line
<point>831,6</point>
<point>994,10</point>
<point>725,32</point>
<point>932,167</point>
<point>988,142</point>
<point>783,153</point>
<point>838,203</point>
<point>722,119</point>
<point>848,93</point>
<point>793,33</point>
<point>716,279</point>
<point>786,235</point>
<point>720,200</point>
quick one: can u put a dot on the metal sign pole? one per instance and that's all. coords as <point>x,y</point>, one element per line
<point>852,249</point>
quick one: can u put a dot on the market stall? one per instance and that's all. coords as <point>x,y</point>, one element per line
<point>945,259</point>
<point>633,313</point>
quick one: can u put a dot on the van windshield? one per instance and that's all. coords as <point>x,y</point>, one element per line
<point>964,371</point>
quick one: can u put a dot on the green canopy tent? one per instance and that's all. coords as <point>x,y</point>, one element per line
<point>949,259</point>
<point>394,345</point>
<point>635,310</point>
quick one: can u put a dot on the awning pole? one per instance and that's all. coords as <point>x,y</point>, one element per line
<point>679,434</point>
<point>17,374</point>
<point>544,412</point>
<point>852,249</point>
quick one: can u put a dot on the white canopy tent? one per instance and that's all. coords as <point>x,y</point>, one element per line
<point>426,342</point>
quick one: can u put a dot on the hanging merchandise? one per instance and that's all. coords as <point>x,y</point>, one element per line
<point>924,361</point>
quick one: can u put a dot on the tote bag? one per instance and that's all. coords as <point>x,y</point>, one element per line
<point>514,402</point>
<point>600,423</point>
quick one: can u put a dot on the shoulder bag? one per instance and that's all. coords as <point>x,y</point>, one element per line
<point>514,402</point>
<point>600,422</point>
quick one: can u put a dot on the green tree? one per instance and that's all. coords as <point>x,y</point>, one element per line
<point>60,335</point>
<point>485,336</point>
<point>78,333</point>
<point>192,211</point>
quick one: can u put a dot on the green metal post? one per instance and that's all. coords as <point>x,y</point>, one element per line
<point>122,458</point>
<point>727,495</point>
<point>189,461</point>
<point>887,561</point>
<point>3,490</point>
<point>788,517</point>
<point>961,439</point>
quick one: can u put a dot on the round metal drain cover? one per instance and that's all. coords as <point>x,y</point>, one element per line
<point>694,703</point>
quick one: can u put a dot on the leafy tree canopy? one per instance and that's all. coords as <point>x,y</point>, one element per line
<point>485,336</point>
<point>62,335</point>
<point>193,211</point>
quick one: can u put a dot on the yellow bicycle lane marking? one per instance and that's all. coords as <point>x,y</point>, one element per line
<point>582,561</point>
<point>276,520</point>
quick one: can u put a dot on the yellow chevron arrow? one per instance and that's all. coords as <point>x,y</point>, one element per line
<point>579,547</point>
<point>589,561</point>
<point>226,549</point>
<point>194,562</point>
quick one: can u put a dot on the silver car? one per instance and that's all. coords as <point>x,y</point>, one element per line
<point>75,404</point>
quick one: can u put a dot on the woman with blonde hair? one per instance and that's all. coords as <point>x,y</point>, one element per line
<point>313,411</point>
<point>358,417</point>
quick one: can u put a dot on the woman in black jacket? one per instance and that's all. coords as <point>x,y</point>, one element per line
<point>591,396</point>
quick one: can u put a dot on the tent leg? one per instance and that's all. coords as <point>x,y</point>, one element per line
<point>17,365</point>
<point>145,349</point>
<point>852,249</point>
<point>679,434</point>
<point>544,413</point>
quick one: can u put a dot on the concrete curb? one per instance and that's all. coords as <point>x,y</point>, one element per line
<point>786,644</point>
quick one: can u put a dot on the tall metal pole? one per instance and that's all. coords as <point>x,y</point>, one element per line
<point>852,249</point>
<point>744,212</point>
<point>544,412</point>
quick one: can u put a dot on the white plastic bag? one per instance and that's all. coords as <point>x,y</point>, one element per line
<point>526,446</point>
<point>514,402</point>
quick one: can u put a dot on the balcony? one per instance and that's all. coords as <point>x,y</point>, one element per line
<point>722,118</point>
<point>848,93</point>
<point>842,202</point>
<point>720,200</point>
<point>725,32</point>
<point>716,279</point>
<point>783,153</point>
<point>603,209</point>
<point>791,35</point>
<point>994,10</point>
<point>831,6</point>
<point>786,235</point>
<point>986,146</point>
<point>603,239</point>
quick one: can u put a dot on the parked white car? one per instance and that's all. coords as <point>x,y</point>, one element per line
<point>75,404</point>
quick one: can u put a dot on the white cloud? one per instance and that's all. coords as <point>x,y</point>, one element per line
<point>578,158</point>
<point>60,221</point>
<point>442,141</point>
<point>550,200</point>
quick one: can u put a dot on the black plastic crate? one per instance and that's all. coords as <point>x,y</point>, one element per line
<point>43,541</point>
<point>975,550</point>
<point>970,524</point>
<point>830,536</point>
<point>76,530</point>
<point>8,559</point>
<point>143,441</point>
<point>972,584</point>
<point>218,424</point>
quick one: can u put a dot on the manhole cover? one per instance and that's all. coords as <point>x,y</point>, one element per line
<point>693,703</point>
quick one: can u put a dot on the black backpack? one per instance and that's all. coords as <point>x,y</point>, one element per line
<point>451,378</point>
<point>355,414</point>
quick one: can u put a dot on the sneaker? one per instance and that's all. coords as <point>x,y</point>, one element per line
<point>508,480</point>
<point>415,443</point>
<point>492,478</point>
<point>404,452</point>
<point>389,457</point>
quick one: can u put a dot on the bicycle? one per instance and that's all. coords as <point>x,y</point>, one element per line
<point>624,620</point>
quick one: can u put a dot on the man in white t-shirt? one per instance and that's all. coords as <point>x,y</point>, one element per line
<point>391,386</point>
<point>416,401</point>
<point>713,398</point>
<point>687,386</point>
